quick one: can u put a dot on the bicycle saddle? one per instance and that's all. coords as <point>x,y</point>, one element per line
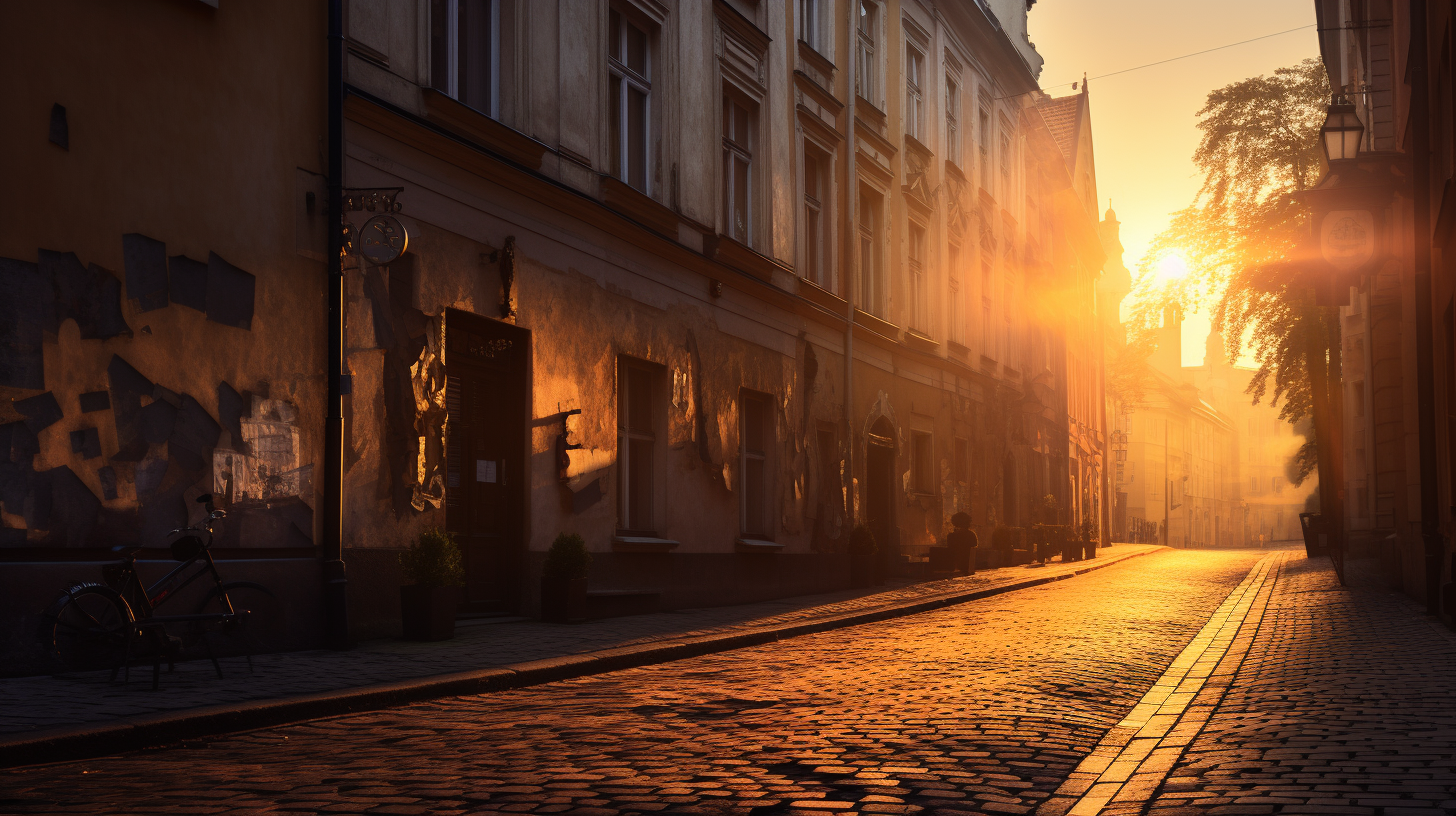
<point>126,549</point>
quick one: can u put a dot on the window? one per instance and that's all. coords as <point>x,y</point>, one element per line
<point>636,444</point>
<point>1005,158</point>
<point>871,291</point>
<point>629,62</point>
<point>809,30</point>
<point>738,116</point>
<point>919,295</point>
<point>988,344</point>
<point>815,177</point>
<point>755,435</point>
<point>1357,396</point>
<point>465,52</point>
<point>957,303</point>
<point>983,143</point>
<point>914,98</point>
<point>922,463</point>
<point>952,120</point>
<point>962,460</point>
<point>866,74</point>
<point>1277,484</point>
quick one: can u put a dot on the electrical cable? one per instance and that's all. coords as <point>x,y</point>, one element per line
<point>1170,59</point>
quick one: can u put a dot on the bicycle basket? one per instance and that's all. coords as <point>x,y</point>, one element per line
<point>186,548</point>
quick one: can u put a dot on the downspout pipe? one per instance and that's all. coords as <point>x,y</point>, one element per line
<point>850,265</point>
<point>1420,129</point>
<point>331,551</point>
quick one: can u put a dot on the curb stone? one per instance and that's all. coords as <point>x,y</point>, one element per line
<point>158,730</point>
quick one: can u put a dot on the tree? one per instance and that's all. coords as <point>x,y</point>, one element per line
<point>1243,233</point>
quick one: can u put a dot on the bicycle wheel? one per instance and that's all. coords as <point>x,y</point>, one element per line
<point>86,628</point>
<point>248,633</point>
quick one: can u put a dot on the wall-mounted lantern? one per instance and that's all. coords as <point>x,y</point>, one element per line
<point>1342,131</point>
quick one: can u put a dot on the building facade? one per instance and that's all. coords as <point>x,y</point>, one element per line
<point>1392,62</point>
<point>705,282</point>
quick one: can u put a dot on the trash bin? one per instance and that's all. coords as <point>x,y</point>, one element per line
<point>1314,534</point>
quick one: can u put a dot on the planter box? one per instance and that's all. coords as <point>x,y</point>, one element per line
<point>1090,550</point>
<point>428,613</point>
<point>987,558</point>
<point>1021,557</point>
<point>563,600</point>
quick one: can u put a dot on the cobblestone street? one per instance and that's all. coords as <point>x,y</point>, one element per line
<point>1343,703</point>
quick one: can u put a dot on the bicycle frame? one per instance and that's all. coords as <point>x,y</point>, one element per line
<point>151,597</point>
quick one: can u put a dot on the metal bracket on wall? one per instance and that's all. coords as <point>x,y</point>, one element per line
<point>562,446</point>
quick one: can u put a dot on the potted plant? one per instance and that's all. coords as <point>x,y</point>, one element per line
<point>563,580</point>
<point>1090,536</point>
<point>436,572</point>
<point>863,557</point>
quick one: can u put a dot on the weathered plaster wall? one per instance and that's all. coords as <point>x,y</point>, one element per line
<point>133,366</point>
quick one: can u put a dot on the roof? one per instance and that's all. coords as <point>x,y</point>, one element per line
<point>1061,116</point>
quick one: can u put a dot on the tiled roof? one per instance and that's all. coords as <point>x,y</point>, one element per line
<point>1061,118</point>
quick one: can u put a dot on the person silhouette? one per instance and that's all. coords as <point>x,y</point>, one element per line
<point>962,543</point>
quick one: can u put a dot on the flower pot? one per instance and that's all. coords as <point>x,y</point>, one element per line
<point>1090,550</point>
<point>861,570</point>
<point>563,600</point>
<point>428,612</point>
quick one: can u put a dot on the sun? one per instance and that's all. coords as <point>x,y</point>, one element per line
<point>1171,266</point>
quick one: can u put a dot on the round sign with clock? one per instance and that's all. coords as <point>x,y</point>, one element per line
<point>382,239</point>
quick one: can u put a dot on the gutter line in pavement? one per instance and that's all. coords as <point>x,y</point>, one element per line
<point>157,730</point>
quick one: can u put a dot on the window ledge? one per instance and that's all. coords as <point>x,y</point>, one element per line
<point>642,544</point>
<point>476,126</point>
<point>921,342</point>
<point>756,545</point>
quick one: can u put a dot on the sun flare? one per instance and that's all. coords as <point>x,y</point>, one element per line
<point>1172,266</point>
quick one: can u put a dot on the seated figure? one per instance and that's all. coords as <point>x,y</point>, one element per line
<point>962,544</point>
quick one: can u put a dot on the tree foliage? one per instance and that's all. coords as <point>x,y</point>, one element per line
<point>1243,233</point>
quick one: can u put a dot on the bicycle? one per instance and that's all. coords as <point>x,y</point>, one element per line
<point>104,625</point>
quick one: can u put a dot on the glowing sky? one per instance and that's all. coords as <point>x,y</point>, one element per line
<point>1144,127</point>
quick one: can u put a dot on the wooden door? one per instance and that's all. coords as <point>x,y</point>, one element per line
<point>486,400</point>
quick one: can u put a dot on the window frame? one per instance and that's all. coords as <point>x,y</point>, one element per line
<point>952,119</point>
<point>628,79</point>
<point>914,90</point>
<point>628,520</point>
<point>957,311</point>
<point>763,491</point>
<point>867,53</point>
<point>869,252</point>
<point>983,144</point>
<point>811,24</point>
<point>734,153</point>
<point>818,265</point>
<point>450,83</point>
<point>917,264</point>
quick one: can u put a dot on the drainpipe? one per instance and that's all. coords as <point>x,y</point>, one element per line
<point>1425,368</point>
<point>335,585</point>
<point>850,511</point>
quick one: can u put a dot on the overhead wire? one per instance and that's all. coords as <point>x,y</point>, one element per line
<point>1166,61</point>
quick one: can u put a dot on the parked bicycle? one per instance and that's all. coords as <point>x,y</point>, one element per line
<point>108,625</point>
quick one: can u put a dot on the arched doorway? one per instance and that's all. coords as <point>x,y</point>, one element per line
<point>879,503</point>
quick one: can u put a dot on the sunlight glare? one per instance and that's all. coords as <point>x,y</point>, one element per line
<point>1172,266</point>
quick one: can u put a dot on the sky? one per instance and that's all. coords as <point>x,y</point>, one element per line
<point>1144,123</point>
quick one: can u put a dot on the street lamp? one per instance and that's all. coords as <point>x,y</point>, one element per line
<point>1342,131</point>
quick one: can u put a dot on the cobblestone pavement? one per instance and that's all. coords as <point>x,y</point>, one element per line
<point>32,704</point>
<point>985,707</point>
<point>1346,703</point>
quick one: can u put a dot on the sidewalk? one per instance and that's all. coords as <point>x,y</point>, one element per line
<point>72,715</point>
